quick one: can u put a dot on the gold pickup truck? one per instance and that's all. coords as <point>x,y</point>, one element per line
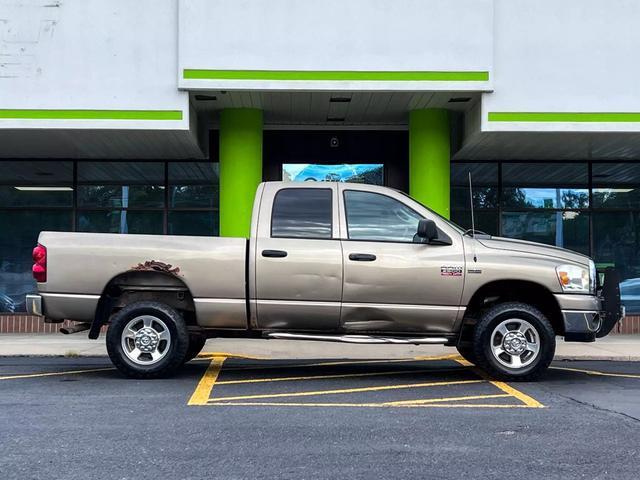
<point>331,262</point>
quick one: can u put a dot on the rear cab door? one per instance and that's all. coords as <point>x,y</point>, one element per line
<point>297,258</point>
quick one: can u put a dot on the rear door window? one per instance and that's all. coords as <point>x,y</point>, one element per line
<point>302,213</point>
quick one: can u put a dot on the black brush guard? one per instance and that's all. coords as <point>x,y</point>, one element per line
<point>612,309</point>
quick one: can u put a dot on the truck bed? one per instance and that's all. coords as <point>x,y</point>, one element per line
<point>213,268</point>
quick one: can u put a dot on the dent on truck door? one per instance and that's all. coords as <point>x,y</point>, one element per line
<point>298,261</point>
<point>391,283</point>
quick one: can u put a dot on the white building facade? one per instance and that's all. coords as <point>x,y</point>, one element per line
<point>161,116</point>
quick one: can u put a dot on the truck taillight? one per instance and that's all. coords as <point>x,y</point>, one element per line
<point>40,263</point>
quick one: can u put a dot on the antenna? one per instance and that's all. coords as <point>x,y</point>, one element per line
<point>473,222</point>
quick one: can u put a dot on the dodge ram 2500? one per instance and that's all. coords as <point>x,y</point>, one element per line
<point>325,261</point>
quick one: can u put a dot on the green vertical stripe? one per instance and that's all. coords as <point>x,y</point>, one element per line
<point>240,168</point>
<point>335,75</point>
<point>47,114</point>
<point>429,155</point>
<point>563,117</point>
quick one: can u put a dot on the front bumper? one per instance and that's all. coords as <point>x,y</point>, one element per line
<point>34,304</point>
<point>587,317</point>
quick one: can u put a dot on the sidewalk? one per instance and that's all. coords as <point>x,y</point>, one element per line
<point>615,347</point>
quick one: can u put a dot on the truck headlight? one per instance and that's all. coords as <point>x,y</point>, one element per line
<point>593,277</point>
<point>574,279</point>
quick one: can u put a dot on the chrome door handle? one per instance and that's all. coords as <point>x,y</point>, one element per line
<point>274,253</point>
<point>362,257</point>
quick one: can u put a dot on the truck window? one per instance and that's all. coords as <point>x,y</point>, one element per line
<point>373,216</point>
<point>302,213</point>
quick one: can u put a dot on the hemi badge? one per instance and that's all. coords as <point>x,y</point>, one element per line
<point>451,271</point>
<point>474,270</point>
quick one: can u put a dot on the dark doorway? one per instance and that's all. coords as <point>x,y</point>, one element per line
<point>339,147</point>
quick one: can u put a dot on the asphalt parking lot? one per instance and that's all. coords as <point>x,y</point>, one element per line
<point>229,417</point>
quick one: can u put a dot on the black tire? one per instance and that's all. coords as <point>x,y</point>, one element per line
<point>176,349</point>
<point>483,349</point>
<point>467,354</point>
<point>196,344</point>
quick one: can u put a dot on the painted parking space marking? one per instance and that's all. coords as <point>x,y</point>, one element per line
<point>505,387</point>
<point>596,373</point>
<point>478,391</point>
<point>343,390</point>
<point>203,391</point>
<point>55,374</point>
<point>322,377</point>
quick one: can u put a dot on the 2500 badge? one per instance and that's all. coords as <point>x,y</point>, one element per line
<point>451,271</point>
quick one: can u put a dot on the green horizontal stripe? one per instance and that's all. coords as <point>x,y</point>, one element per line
<point>39,114</point>
<point>324,75</point>
<point>563,117</point>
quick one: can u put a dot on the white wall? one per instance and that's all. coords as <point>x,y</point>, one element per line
<point>90,54</point>
<point>565,56</point>
<point>329,35</point>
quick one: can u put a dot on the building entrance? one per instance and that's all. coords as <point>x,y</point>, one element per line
<point>373,157</point>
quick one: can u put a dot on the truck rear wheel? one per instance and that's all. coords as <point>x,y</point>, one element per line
<point>514,342</point>
<point>147,340</point>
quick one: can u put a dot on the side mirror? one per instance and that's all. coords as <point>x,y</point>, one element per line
<point>427,230</point>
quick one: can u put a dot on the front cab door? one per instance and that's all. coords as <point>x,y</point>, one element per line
<point>392,283</point>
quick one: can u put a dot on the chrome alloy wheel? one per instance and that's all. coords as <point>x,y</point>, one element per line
<point>146,340</point>
<point>515,343</point>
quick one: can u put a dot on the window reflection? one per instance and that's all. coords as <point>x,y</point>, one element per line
<point>302,213</point>
<point>562,229</point>
<point>373,216</point>
<point>569,198</point>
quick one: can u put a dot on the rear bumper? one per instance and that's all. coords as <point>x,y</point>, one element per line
<point>57,307</point>
<point>34,305</point>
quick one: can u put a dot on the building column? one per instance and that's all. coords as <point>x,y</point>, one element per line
<point>429,151</point>
<point>240,168</point>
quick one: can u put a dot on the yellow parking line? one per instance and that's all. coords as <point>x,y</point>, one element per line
<point>506,388</point>
<point>343,362</point>
<point>594,372</point>
<point>346,390</point>
<point>446,399</point>
<point>523,397</point>
<point>323,377</point>
<point>203,391</point>
<point>53,374</point>
<point>361,405</point>
<point>210,355</point>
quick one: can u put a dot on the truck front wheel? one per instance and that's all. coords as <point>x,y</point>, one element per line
<point>147,340</point>
<point>514,342</point>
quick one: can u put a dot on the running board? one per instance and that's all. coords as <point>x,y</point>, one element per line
<point>359,338</point>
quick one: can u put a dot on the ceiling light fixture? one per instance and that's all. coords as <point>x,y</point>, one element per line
<point>459,99</point>
<point>335,119</point>
<point>340,99</point>
<point>44,189</point>
<point>205,98</point>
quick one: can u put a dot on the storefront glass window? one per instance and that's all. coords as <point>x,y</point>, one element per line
<point>546,203</point>
<point>179,198</point>
<point>34,196</point>
<point>616,225</point>
<point>484,179</point>
<point>564,229</point>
